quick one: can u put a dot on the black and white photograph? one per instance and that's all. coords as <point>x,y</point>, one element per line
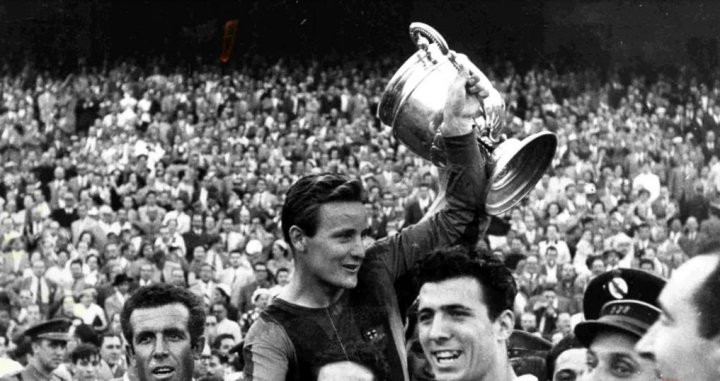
<point>359,190</point>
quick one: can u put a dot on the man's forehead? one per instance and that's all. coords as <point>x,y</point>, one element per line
<point>160,318</point>
<point>335,213</point>
<point>464,291</point>
<point>687,278</point>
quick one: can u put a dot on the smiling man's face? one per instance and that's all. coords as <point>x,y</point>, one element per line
<point>335,252</point>
<point>161,342</point>
<point>455,330</point>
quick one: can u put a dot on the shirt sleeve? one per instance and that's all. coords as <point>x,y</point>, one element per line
<point>458,222</point>
<point>267,352</point>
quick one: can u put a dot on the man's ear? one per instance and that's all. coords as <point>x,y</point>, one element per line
<point>297,238</point>
<point>199,346</point>
<point>504,325</point>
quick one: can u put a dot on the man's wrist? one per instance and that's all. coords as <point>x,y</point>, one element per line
<point>455,126</point>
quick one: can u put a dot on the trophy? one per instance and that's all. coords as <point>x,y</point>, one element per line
<point>416,96</point>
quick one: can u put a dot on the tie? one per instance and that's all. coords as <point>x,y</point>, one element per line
<point>38,291</point>
<point>42,297</point>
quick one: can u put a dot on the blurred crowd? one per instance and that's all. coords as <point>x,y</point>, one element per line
<point>116,178</point>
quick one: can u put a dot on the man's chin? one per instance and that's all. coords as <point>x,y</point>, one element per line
<point>345,282</point>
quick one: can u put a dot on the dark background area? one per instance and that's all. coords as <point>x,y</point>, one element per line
<point>58,33</point>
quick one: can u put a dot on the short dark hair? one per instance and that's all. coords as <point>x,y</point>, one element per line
<point>645,261</point>
<point>498,285</point>
<point>568,342</point>
<point>706,300</point>
<point>84,351</point>
<point>108,335</point>
<point>218,340</point>
<point>161,294</point>
<point>306,196</point>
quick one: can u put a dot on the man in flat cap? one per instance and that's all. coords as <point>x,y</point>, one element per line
<point>527,353</point>
<point>619,308</point>
<point>49,340</point>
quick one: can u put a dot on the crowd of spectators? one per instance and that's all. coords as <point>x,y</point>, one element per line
<point>120,177</point>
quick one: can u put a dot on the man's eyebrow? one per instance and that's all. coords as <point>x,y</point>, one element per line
<point>166,331</point>
<point>456,307</point>
<point>623,356</point>
<point>342,232</point>
<point>173,330</point>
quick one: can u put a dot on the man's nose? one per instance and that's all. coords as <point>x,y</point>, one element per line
<point>438,331</point>
<point>358,248</point>
<point>160,349</point>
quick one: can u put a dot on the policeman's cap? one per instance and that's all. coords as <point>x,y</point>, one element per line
<point>50,330</point>
<point>628,316</point>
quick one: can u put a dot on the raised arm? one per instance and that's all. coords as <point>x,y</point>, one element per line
<point>457,215</point>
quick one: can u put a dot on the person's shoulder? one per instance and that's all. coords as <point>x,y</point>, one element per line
<point>266,330</point>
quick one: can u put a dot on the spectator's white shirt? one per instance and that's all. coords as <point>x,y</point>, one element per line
<point>113,227</point>
<point>238,277</point>
<point>582,252</point>
<point>182,218</point>
<point>145,104</point>
<point>128,101</point>
<point>127,118</point>
<point>562,249</point>
<point>714,176</point>
<point>233,240</point>
<point>87,315</point>
<point>109,120</point>
<point>60,276</point>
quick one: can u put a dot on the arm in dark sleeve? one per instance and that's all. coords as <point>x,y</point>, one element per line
<point>266,352</point>
<point>458,222</point>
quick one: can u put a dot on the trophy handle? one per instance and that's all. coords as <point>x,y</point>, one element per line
<point>423,35</point>
<point>418,29</point>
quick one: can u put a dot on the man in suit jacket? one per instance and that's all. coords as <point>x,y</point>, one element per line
<point>376,221</point>
<point>263,199</point>
<point>17,260</point>
<point>44,292</point>
<point>57,185</point>
<point>530,281</point>
<point>682,178</point>
<point>691,238</point>
<point>114,303</point>
<point>67,214</point>
<point>659,206</point>
<point>416,208</point>
<point>533,233</point>
<point>546,307</point>
<point>261,281</point>
<point>81,181</point>
<point>710,147</point>
<point>205,286</point>
<point>710,228</point>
